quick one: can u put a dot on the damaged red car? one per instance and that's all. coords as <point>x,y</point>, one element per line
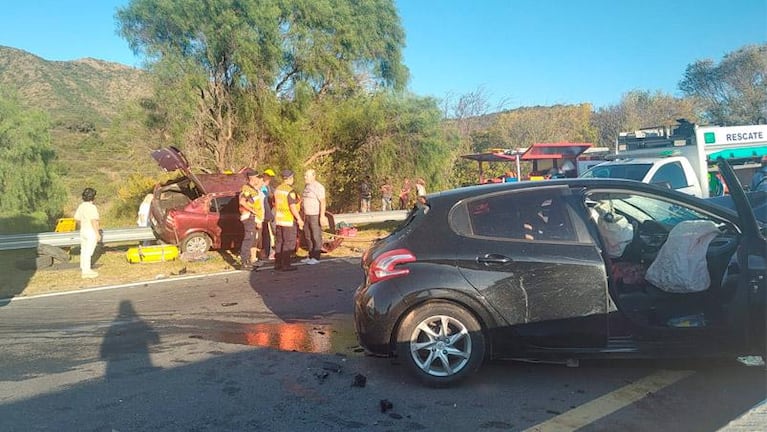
<point>197,212</point>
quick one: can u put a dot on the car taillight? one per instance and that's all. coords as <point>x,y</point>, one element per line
<point>170,218</point>
<point>385,265</point>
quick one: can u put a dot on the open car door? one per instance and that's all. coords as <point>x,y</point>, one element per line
<point>171,159</point>
<point>752,261</point>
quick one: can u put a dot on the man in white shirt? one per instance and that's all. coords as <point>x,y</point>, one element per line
<point>313,204</point>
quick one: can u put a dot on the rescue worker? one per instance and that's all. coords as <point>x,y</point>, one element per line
<point>287,220</point>
<point>267,232</point>
<point>252,216</point>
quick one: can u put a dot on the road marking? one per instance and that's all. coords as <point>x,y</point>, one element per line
<point>141,283</point>
<point>611,402</point>
<point>110,287</point>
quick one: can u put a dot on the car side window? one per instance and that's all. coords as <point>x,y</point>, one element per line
<point>671,174</point>
<point>228,204</point>
<point>539,216</point>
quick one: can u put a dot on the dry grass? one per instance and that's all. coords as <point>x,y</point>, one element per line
<point>114,268</point>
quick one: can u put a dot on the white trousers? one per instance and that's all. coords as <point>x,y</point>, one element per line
<point>87,247</point>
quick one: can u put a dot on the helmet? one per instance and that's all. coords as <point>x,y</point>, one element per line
<point>270,172</point>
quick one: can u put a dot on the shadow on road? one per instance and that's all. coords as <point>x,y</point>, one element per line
<point>295,296</point>
<point>126,344</point>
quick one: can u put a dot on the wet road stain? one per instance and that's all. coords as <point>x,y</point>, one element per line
<point>298,337</point>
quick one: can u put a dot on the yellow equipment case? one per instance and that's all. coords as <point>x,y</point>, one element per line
<point>158,253</point>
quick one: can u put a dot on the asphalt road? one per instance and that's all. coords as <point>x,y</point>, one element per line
<point>270,351</point>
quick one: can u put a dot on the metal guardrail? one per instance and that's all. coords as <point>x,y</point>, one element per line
<point>72,238</point>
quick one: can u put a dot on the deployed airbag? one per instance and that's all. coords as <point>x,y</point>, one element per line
<point>616,231</point>
<point>680,266</point>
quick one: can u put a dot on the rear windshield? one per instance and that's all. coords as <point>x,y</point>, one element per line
<point>623,171</point>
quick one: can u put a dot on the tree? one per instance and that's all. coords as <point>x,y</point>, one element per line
<point>28,183</point>
<point>641,109</point>
<point>233,57</point>
<point>733,92</point>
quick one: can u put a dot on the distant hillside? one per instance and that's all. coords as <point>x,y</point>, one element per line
<point>95,119</point>
<point>72,91</point>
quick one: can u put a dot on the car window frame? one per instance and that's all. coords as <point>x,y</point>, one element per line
<point>460,221</point>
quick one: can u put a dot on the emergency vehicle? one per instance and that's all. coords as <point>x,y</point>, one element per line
<point>683,157</point>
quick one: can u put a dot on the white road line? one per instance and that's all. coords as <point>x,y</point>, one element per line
<point>133,284</point>
<point>111,287</point>
<point>611,402</point>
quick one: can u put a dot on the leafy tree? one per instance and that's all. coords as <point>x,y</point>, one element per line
<point>734,91</point>
<point>641,109</point>
<point>385,134</point>
<point>224,60</point>
<point>28,183</point>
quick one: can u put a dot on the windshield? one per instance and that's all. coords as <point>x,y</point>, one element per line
<point>625,171</point>
<point>643,208</point>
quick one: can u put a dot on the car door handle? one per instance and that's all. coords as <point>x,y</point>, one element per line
<point>494,259</point>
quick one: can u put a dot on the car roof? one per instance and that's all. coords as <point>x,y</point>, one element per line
<point>217,183</point>
<point>634,161</point>
<point>454,195</point>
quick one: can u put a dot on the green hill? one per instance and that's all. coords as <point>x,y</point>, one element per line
<point>92,105</point>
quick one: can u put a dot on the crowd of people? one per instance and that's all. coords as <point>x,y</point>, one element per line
<point>271,216</point>
<point>411,192</point>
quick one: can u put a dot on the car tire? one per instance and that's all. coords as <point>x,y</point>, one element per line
<point>442,343</point>
<point>197,243</point>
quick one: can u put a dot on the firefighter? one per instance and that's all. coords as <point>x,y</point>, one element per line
<point>287,220</point>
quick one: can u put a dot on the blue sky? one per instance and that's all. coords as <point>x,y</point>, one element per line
<point>524,52</point>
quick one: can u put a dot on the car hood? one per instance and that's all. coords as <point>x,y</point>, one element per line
<point>172,159</point>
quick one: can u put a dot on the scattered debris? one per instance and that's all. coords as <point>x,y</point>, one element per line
<point>228,304</point>
<point>395,416</point>
<point>359,380</point>
<point>321,376</point>
<point>332,367</point>
<point>385,405</point>
<point>751,360</point>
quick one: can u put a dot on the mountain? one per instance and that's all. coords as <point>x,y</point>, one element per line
<point>93,106</point>
<point>86,89</point>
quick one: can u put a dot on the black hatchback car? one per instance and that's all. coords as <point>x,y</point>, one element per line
<point>537,270</point>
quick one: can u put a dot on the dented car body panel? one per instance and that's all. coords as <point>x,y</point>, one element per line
<point>529,262</point>
<point>200,206</point>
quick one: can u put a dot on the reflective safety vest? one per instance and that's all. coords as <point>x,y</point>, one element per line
<point>282,214</point>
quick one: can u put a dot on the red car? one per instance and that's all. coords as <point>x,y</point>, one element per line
<point>197,212</point>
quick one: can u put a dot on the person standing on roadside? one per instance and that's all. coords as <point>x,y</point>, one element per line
<point>387,192</point>
<point>404,194</point>
<point>267,229</point>
<point>87,215</point>
<point>313,203</point>
<point>252,216</point>
<point>287,220</point>
<point>420,191</point>
<point>366,194</point>
<point>143,214</point>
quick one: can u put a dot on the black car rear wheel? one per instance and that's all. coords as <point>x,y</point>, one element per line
<point>441,342</point>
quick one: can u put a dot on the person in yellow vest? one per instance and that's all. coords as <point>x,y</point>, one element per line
<point>252,216</point>
<point>287,220</point>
